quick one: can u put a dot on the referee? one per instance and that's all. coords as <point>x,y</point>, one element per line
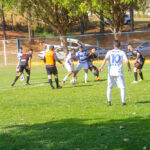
<point>50,59</point>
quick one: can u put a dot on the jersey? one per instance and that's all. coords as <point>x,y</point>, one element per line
<point>141,57</point>
<point>49,58</point>
<point>25,59</point>
<point>82,56</point>
<point>20,54</point>
<point>115,58</point>
<point>70,56</point>
<point>91,57</point>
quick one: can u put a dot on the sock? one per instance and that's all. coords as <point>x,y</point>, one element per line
<point>95,74</point>
<point>135,76</point>
<point>123,94</point>
<point>141,75</point>
<point>108,94</point>
<point>28,78</point>
<point>86,76</point>
<point>50,82</point>
<point>65,78</point>
<point>16,78</point>
<point>57,82</point>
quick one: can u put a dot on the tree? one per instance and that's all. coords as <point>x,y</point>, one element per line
<point>114,11</point>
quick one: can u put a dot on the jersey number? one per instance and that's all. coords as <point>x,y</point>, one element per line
<point>115,58</point>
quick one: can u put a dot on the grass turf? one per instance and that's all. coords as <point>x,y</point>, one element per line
<point>75,117</point>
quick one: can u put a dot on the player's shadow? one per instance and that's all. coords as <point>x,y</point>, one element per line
<point>143,102</point>
<point>76,86</point>
<point>69,134</point>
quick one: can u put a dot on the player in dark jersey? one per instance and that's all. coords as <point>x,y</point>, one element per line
<point>139,62</point>
<point>91,57</point>
<point>24,64</point>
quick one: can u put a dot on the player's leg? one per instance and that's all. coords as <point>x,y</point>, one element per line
<point>55,72</point>
<point>139,70</point>
<point>123,94</point>
<point>96,73</point>
<point>85,67</point>
<point>79,66</point>
<point>22,77</point>
<point>28,75</point>
<point>18,75</point>
<point>66,77</point>
<point>135,75</point>
<point>49,74</point>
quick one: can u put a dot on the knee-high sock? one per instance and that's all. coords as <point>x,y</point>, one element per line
<point>135,76</point>
<point>28,78</point>
<point>50,82</point>
<point>86,76</point>
<point>108,94</point>
<point>65,78</point>
<point>141,75</point>
<point>57,82</point>
<point>123,94</point>
<point>16,78</point>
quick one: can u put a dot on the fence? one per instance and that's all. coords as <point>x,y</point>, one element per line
<point>9,48</point>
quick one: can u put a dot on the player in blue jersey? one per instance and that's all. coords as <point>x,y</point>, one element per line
<point>82,57</point>
<point>69,64</point>
<point>115,58</point>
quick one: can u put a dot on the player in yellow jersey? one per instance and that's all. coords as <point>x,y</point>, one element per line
<point>50,59</point>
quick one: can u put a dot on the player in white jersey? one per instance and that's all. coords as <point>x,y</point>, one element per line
<point>20,54</point>
<point>69,64</point>
<point>82,56</point>
<point>115,58</point>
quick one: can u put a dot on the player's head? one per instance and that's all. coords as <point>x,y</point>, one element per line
<point>116,44</point>
<point>51,47</point>
<point>81,48</point>
<point>20,49</point>
<point>130,47</point>
<point>93,50</point>
<point>73,51</point>
<point>30,50</point>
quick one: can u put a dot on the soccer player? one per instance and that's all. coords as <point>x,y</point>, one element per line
<point>50,59</point>
<point>139,62</point>
<point>69,64</point>
<point>115,74</point>
<point>91,57</point>
<point>20,54</point>
<point>24,64</point>
<point>82,56</point>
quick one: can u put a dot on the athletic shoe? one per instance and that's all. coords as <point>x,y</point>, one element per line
<point>97,79</point>
<point>140,80</point>
<point>134,82</point>
<point>109,103</point>
<point>27,84</point>
<point>63,82</point>
<point>52,88</point>
<point>123,104</point>
<point>13,84</point>
<point>59,87</point>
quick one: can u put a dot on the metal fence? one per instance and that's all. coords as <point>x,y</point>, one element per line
<point>9,48</point>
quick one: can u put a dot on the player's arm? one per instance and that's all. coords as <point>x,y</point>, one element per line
<point>129,66</point>
<point>18,62</point>
<point>44,59</point>
<point>57,59</point>
<point>103,64</point>
<point>138,56</point>
<point>30,62</point>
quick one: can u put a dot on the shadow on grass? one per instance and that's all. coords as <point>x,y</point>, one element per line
<point>70,134</point>
<point>143,102</point>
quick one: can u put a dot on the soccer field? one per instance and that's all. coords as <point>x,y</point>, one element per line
<point>75,117</point>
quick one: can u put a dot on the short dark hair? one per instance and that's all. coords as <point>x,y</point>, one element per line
<point>81,47</point>
<point>30,49</point>
<point>117,43</point>
<point>51,47</point>
<point>20,47</point>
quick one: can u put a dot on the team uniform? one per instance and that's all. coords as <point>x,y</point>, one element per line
<point>68,64</point>
<point>140,61</point>
<point>82,60</point>
<point>115,74</point>
<point>90,64</point>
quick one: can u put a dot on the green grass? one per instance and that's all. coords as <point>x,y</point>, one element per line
<point>73,118</point>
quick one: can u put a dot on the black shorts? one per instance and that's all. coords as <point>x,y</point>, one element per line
<point>22,68</point>
<point>51,70</point>
<point>91,67</point>
<point>139,65</point>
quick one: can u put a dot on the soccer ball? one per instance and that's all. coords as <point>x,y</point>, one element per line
<point>72,81</point>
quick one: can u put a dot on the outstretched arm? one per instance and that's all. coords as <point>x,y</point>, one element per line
<point>57,59</point>
<point>103,64</point>
<point>129,67</point>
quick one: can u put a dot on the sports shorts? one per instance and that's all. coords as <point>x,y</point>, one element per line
<point>69,67</point>
<point>22,68</point>
<point>51,70</point>
<point>83,65</point>
<point>139,64</point>
<point>115,81</point>
<point>91,66</point>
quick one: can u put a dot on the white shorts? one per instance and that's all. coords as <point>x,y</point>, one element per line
<point>69,67</point>
<point>82,65</point>
<point>115,80</point>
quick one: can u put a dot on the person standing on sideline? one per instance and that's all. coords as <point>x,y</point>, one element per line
<point>82,56</point>
<point>69,64</point>
<point>20,54</point>
<point>24,64</point>
<point>50,59</point>
<point>115,58</point>
<point>139,62</point>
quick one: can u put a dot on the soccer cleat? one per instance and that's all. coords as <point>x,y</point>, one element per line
<point>140,80</point>
<point>13,84</point>
<point>123,104</point>
<point>134,82</point>
<point>27,84</point>
<point>109,103</point>
<point>63,82</point>
<point>52,88</point>
<point>59,87</point>
<point>97,79</point>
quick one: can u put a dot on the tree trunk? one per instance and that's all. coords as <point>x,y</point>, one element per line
<point>3,22</point>
<point>12,22</point>
<point>64,45</point>
<point>82,26</point>
<point>132,18</point>
<point>30,31</point>
<point>102,25</point>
